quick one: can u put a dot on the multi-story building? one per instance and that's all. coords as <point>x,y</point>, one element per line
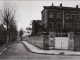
<point>59,17</point>
<point>36,27</point>
<point>63,23</point>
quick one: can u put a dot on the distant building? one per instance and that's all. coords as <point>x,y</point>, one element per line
<point>63,25</point>
<point>36,27</point>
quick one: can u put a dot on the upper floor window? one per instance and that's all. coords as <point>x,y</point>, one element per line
<point>50,25</point>
<point>77,16</point>
<point>72,16</point>
<point>67,16</point>
<point>58,15</point>
<point>59,25</point>
<point>50,15</point>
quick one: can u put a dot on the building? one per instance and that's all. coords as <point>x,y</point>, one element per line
<point>63,25</point>
<point>36,27</point>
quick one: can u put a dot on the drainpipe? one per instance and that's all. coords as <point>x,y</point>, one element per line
<point>63,19</point>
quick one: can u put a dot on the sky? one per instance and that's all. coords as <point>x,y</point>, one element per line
<point>31,10</point>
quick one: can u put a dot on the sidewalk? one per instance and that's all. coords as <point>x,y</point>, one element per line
<point>37,50</point>
<point>2,48</point>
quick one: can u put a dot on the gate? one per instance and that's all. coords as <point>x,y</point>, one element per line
<point>61,40</point>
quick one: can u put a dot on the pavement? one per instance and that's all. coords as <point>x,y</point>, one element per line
<point>57,52</point>
<point>18,50</point>
<point>2,48</point>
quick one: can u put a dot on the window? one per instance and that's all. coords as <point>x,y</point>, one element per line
<point>72,25</point>
<point>50,25</point>
<point>59,25</point>
<point>58,15</point>
<point>50,15</point>
<point>77,16</point>
<point>67,25</point>
<point>77,25</point>
<point>72,16</point>
<point>67,16</point>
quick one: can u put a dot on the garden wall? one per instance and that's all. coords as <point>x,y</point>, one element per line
<point>36,41</point>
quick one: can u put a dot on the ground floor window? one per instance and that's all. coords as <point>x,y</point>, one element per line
<point>72,25</point>
<point>68,25</point>
<point>59,25</point>
<point>77,25</point>
<point>50,25</point>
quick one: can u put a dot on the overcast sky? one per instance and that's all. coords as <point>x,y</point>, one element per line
<point>31,10</point>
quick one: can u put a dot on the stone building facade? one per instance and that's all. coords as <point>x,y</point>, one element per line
<point>63,26</point>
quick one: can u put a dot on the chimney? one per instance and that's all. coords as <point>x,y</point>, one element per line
<point>52,4</point>
<point>61,5</point>
<point>76,6</point>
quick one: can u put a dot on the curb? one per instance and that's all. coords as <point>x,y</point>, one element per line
<point>41,53</point>
<point>6,48</point>
<point>52,53</point>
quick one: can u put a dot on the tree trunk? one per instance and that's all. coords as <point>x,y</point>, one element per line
<point>6,40</point>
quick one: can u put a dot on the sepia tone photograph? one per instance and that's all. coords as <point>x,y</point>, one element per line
<point>40,29</point>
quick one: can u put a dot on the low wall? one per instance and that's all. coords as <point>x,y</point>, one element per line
<point>36,41</point>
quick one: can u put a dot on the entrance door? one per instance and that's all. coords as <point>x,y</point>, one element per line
<point>61,41</point>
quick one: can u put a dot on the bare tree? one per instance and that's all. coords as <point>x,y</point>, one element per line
<point>8,14</point>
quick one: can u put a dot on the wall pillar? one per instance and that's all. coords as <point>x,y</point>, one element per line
<point>71,41</point>
<point>46,41</point>
<point>51,40</point>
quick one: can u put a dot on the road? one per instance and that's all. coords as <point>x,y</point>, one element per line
<point>19,51</point>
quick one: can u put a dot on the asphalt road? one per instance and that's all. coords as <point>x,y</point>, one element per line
<point>19,51</point>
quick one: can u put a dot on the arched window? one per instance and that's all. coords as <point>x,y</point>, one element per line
<point>77,16</point>
<point>67,16</point>
<point>50,25</point>
<point>72,16</point>
<point>68,25</point>
<point>77,25</point>
<point>59,25</point>
<point>73,25</point>
<point>50,15</point>
<point>58,15</point>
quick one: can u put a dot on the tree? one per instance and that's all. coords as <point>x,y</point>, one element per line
<point>13,31</point>
<point>8,14</point>
<point>20,34</point>
<point>28,28</point>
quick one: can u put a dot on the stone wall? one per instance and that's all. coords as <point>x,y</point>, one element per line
<point>71,41</point>
<point>46,41</point>
<point>77,42</point>
<point>35,40</point>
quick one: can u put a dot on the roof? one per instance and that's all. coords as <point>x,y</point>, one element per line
<point>39,21</point>
<point>61,8</point>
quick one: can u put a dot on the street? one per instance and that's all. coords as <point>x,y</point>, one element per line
<point>19,51</point>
